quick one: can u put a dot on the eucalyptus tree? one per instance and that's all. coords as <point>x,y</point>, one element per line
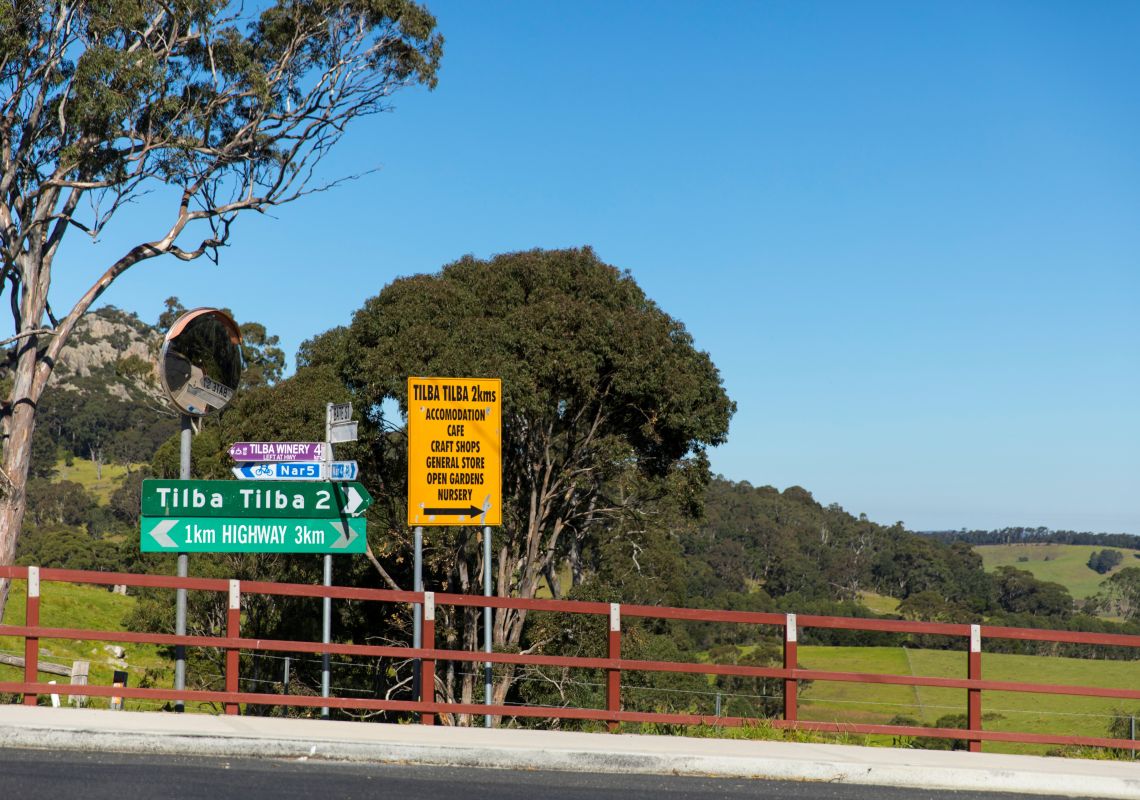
<point>607,407</point>
<point>207,107</point>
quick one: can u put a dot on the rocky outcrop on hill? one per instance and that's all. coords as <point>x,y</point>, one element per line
<point>104,401</point>
<point>99,341</point>
<point>110,351</point>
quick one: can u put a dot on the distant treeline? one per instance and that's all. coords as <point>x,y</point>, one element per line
<point>1036,536</point>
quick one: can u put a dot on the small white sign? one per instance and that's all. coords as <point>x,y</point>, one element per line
<point>339,412</point>
<point>342,432</point>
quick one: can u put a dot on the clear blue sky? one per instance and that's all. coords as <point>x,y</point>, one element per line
<point>907,233</point>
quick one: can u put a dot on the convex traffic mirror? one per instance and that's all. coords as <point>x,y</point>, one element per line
<point>200,365</point>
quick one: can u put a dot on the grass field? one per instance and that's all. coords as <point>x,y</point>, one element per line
<point>70,606</point>
<point>84,472</point>
<point>879,603</point>
<point>1066,564</point>
<point>1029,713</point>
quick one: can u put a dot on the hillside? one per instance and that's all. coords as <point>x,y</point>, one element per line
<point>1066,564</point>
<point>104,402</point>
<point>787,544</point>
<point>99,481</point>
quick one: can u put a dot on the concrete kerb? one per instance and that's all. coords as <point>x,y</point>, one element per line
<point>250,737</point>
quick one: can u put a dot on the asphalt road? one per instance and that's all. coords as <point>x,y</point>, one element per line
<point>54,775</point>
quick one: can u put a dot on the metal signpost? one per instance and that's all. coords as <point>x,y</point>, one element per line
<point>292,507</point>
<point>183,569</point>
<point>200,368</point>
<point>339,427</point>
<point>455,472</point>
<point>262,517</point>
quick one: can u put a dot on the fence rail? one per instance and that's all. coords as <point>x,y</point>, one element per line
<point>428,705</point>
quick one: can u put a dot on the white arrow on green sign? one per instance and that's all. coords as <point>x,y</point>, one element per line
<point>252,535</point>
<point>312,500</point>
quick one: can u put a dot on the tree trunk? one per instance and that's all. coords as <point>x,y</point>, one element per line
<point>503,685</point>
<point>551,575</point>
<point>577,569</point>
<point>21,423</point>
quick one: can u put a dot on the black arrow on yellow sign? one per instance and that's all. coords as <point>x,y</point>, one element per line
<point>472,511</point>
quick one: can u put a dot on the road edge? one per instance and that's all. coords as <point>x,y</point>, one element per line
<point>577,760</point>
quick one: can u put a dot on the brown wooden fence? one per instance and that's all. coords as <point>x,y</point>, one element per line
<point>428,705</point>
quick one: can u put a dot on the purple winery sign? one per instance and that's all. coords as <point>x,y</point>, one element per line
<point>276,451</point>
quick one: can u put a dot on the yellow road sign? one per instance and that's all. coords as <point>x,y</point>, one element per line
<point>455,434</point>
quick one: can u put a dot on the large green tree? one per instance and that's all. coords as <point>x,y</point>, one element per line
<point>1119,596</point>
<point>215,109</point>
<point>607,407</point>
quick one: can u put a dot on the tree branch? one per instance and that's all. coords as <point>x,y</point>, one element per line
<point>26,334</point>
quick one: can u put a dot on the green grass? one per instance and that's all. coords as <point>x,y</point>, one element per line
<point>1028,713</point>
<point>879,603</point>
<point>85,473</point>
<point>64,605</point>
<point>565,579</point>
<point>1066,564</point>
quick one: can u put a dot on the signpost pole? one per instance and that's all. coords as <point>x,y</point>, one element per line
<point>183,571</point>
<point>487,622</point>
<point>199,369</point>
<point>454,461</point>
<point>326,636</point>
<point>417,609</point>
<point>326,606</point>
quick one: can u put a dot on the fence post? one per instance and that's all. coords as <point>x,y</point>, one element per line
<point>233,631</point>
<point>613,676</point>
<point>790,684</point>
<point>427,675</point>
<point>974,673</point>
<point>32,643</point>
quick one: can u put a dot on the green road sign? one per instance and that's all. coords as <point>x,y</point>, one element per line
<point>272,499</point>
<point>252,535</point>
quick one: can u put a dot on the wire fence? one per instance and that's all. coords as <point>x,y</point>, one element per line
<point>640,691</point>
<point>304,674</point>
